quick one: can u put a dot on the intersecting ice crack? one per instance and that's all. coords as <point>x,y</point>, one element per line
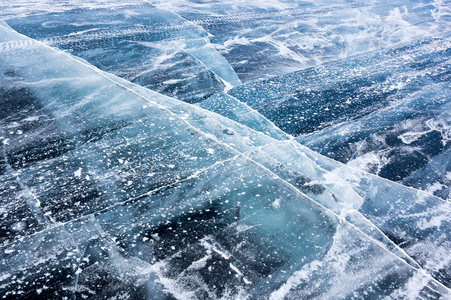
<point>262,216</point>
<point>32,202</point>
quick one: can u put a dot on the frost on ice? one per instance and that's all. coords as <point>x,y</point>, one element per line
<point>112,189</point>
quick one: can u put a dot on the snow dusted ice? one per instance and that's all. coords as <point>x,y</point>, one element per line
<point>225,150</point>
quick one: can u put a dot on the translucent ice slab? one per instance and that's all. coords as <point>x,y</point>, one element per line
<point>139,195</point>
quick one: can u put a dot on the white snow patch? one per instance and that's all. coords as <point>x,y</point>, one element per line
<point>276,203</point>
<point>78,173</point>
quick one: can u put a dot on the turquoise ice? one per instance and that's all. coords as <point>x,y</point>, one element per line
<point>109,188</point>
